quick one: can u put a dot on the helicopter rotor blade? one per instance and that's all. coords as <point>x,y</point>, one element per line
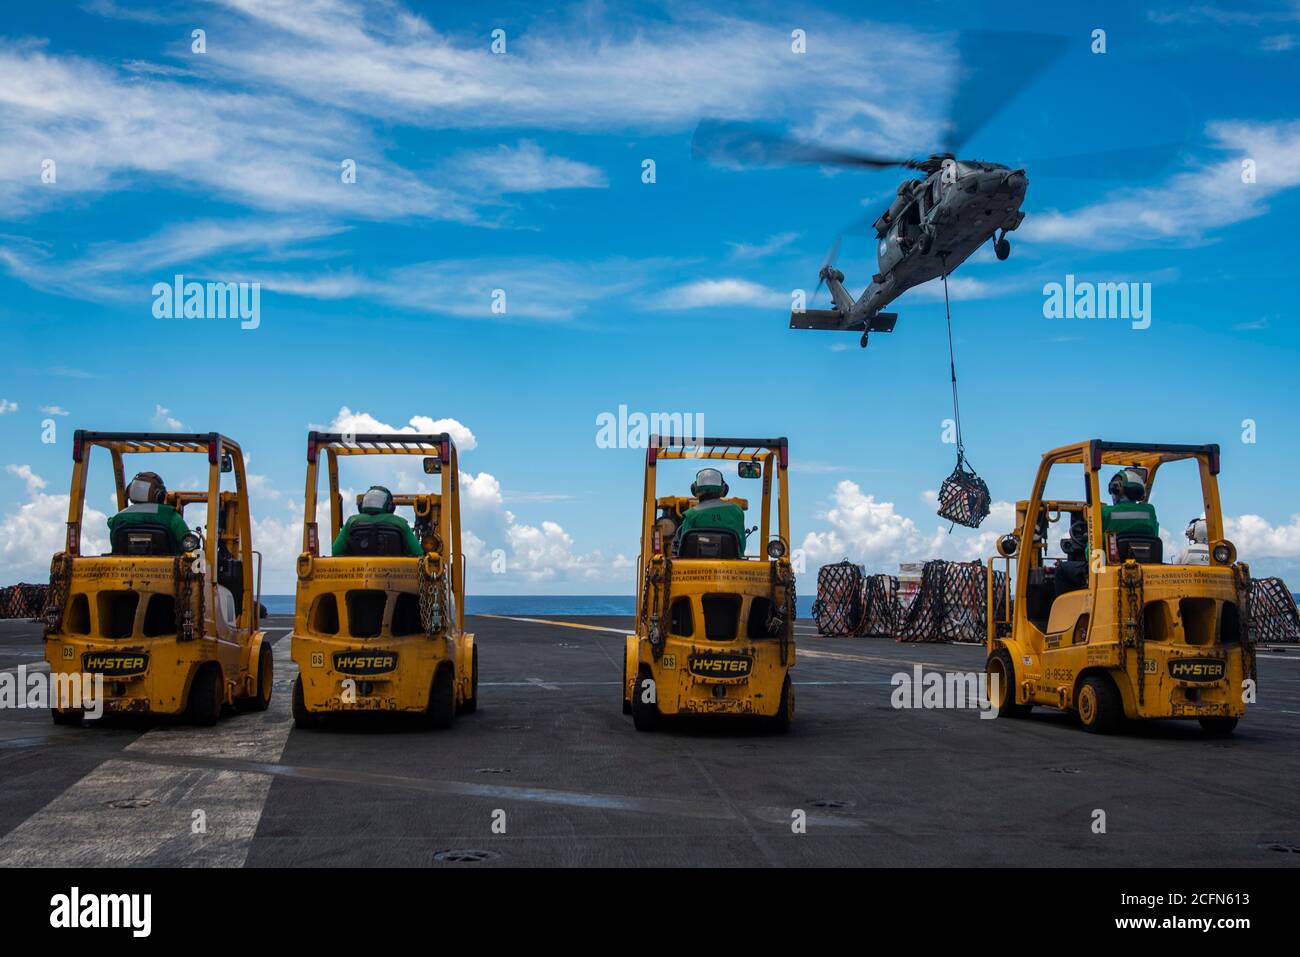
<point>1133,163</point>
<point>831,255</point>
<point>740,144</point>
<point>994,66</point>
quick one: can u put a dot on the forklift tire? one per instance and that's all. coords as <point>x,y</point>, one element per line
<point>645,714</point>
<point>265,675</point>
<point>780,722</point>
<point>1007,707</point>
<point>470,704</point>
<point>1218,727</point>
<point>302,718</point>
<point>204,707</point>
<point>622,690</point>
<point>441,711</point>
<point>1100,709</point>
<point>71,719</point>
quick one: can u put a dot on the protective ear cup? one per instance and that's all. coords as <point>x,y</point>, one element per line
<point>725,489</point>
<point>695,491</point>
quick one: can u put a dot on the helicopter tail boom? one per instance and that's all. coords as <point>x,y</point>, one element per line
<point>835,321</point>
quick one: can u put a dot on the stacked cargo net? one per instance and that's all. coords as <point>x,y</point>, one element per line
<point>23,601</point>
<point>951,604</point>
<point>838,608</point>
<point>879,606</point>
<point>1273,615</point>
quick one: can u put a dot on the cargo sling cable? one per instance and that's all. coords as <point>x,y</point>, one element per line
<point>963,497</point>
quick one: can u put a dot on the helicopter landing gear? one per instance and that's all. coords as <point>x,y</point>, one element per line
<point>1002,246</point>
<point>863,341</point>
<point>925,242</point>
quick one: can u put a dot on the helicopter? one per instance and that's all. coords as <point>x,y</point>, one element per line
<point>937,221</point>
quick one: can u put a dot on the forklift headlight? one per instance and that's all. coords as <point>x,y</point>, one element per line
<point>775,548</point>
<point>190,543</point>
<point>1224,553</point>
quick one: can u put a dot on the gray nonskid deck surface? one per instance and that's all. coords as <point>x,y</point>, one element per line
<point>549,772</point>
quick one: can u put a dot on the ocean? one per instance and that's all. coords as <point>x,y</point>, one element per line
<point>532,605</point>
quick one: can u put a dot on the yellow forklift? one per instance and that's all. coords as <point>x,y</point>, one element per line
<point>715,625</point>
<point>379,624</point>
<point>170,626</point>
<point>1110,630</point>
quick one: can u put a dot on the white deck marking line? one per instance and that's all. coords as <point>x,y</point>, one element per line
<point>539,683</point>
<point>80,828</point>
<point>559,624</point>
<point>41,665</point>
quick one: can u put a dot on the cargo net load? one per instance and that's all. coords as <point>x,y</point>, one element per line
<point>964,497</point>
<point>950,604</point>
<point>1273,615</point>
<point>23,601</point>
<point>838,608</point>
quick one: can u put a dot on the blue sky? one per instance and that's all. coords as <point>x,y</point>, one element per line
<point>522,171</point>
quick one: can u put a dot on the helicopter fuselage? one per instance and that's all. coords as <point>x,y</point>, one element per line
<point>936,223</point>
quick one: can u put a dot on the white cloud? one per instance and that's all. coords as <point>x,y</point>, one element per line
<point>773,244</point>
<point>6,406</point>
<point>702,293</point>
<point>1255,537</point>
<point>162,419</point>
<point>874,533</point>
<point>106,130</point>
<point>54,410</point>
<point>1189,203</point>
<point>33,481</point>
<point>35,531</point>
<point>349,421</point>
<point>525,168</point>
<point>594,70</point>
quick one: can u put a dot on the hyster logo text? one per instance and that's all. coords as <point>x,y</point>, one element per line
<point>361,663</point>
<point>75,910</point>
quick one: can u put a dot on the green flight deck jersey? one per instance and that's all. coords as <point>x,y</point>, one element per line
<point>383,518</point>
<point>149,514</point>
<point>715,513</point>
<point>1137,518</point>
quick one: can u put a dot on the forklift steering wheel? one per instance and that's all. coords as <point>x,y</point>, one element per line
<point>1079,531</point>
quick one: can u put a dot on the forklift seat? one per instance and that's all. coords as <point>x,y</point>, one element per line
<point>707,543</point>
<point>143,538</point>
<point>374,539</point>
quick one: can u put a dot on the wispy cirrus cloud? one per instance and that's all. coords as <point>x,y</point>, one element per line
<point>1188,204</point>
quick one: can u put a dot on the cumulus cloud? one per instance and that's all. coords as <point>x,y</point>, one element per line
<point>874,533</point>
<point>35,530</point>
<point>349,421</point>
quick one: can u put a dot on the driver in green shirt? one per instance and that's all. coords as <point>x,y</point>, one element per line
<point>147,495</point>
<point>711,511</point>
<point>377,507</point>
<point>1131,513</point>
